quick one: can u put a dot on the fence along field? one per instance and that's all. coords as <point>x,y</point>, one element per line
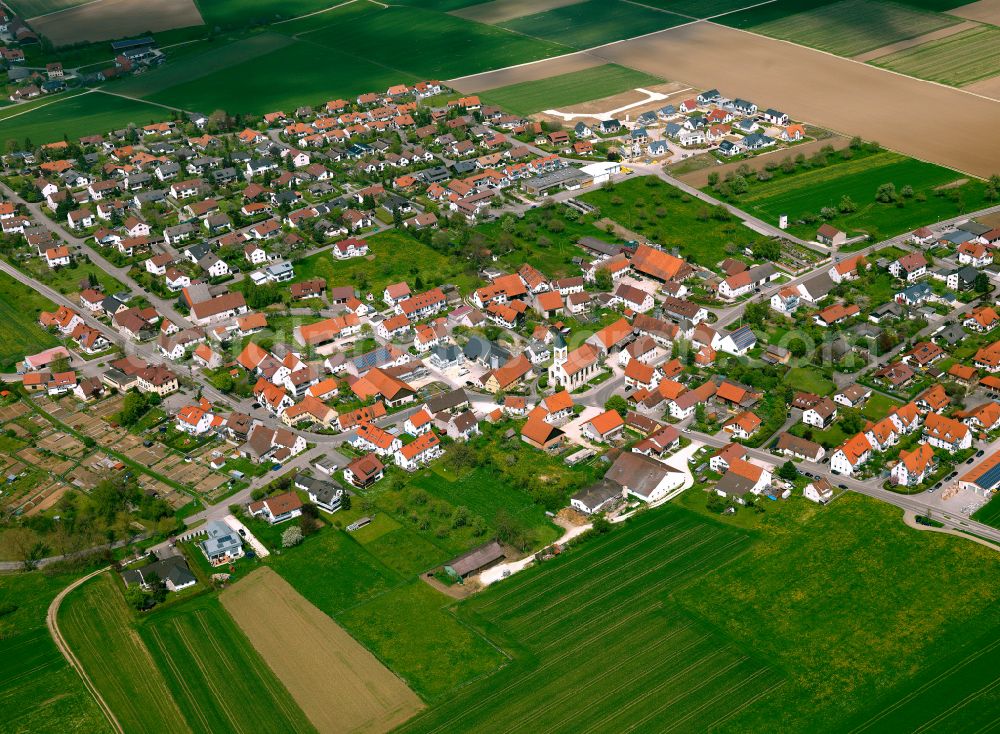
<point>598,648</point>
<point>339,685</point>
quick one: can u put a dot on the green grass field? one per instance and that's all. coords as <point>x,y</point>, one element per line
<point>187,668</point>
<point>342,575</point>
<point>485,494</point>
<point>698,8</point>
<point>807,599</point>
<point>239,13</point>
<point>564,90</point>
<point>989,513</point>
<point>448,46</point>
<point>808,379</point>
<point>41,692</point>
<point>598,647</point>
<point>808,191</point>
<point>261,84</point>
<point>960,59</point>
<point>678,620</point>
<point>852,27</point>
<point>99,629</point>
<point>200,60</point>
<point>756,14</point>
<point>593,23</point>
<point>84,114</point>
<point>545,237</point>
<point>397,256</point>
<point>217,679</point>
<point>20,333</point>
<point>671,218</point>
<point>444,6</point>
<point>67,280</point>
<point>967,701</point>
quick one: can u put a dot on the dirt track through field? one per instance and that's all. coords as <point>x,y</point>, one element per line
<point>842,95</point>
<point>99,21</point>
<point>338,684</point>
<point>52,621</point>
<point>911,42</point>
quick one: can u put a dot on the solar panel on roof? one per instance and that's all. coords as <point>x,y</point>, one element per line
<point>743,337</point>
<point>990,478</point>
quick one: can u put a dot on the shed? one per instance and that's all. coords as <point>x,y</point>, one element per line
<point>476,560</point>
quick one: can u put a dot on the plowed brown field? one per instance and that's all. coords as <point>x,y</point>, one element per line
<point>338,684</point>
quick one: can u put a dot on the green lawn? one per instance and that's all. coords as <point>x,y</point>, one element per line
<point>20,333</point>
<point>41,692</point>
<point>828,438</point>
<point>84,114</point>
<point>564,90</point>
<point>448,46</point>
<point>807,190</point>
<point>67,280</point>
<point>852,27</point>
<point>808,379</point>
<point>671,218</point>
<point>393,256</point>
<point>217,679</point>
<point>960,59</point>
<point>593,23</point>
<point>878,406</point>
